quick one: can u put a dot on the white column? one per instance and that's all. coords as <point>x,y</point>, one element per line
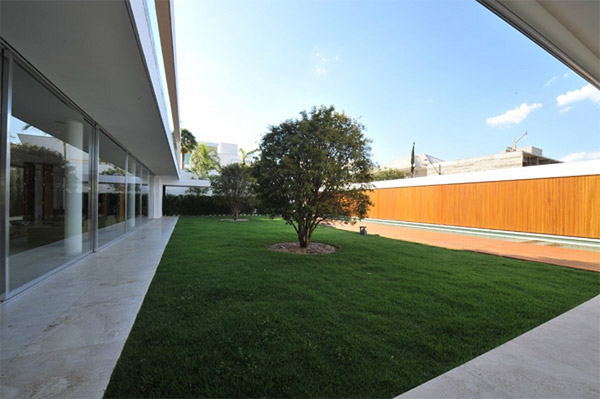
<point>155,197</point>
<point>73,183</point>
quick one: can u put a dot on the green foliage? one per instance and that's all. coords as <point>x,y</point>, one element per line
<point>188,144</point>
<point>307,169</point>
<point>31,153</point>
<point>233,185</point>
<point>412,161</point>
<point>197,190</point>
<point>245,154</point>
<point>225,317</point>
<point>203,160</point>
<point>389,174</point>
<point>112,171</point>
<point>202,205</point>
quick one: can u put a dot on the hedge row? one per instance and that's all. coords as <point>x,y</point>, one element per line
<point>194,205</point>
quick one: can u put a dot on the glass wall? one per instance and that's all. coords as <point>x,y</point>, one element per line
<point>49,213</point>
<point>49,223</point>
<point>133,190</point>
<point>145,192</point>
<point>112,164</point>
<point>4,177</point>
<point>138,195</point>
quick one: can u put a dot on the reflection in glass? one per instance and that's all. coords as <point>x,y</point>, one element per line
<point>111,190</point>
<point>138,194</point>
<point>49,170</point>
<point>145,190</point>
<point>132,188</point>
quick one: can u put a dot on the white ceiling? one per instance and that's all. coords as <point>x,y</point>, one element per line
<point>89,50</point>
<point>569,30</point>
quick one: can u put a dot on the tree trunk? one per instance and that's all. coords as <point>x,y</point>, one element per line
<point>183,152</point>
<point>303,237</point>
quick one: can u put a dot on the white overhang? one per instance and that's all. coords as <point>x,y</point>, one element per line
<point>569,30</point>
<point>166,26</point>
<point>93,52</point>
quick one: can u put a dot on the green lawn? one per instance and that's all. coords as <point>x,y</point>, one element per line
<point>226,317</point>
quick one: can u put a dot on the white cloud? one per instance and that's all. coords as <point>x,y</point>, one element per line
<point>513,116</point>
<point>324,58</point>
<point>321,71</point>
<point>565,109</point>
<point>566,75</point>
<point>581,156</point>
<point>549,82</point>
<point>586,92</point>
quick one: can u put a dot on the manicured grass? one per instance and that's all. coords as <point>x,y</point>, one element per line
<point>226,317</point>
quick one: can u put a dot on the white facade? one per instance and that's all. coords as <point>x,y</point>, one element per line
<point>89,129</point>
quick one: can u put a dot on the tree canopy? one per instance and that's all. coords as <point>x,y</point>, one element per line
<point>188,144</point>
<point>314,168</point>
<point>246,155</point>
<point>234,186</point>
<point>203,160</point>
<point>390,174</point>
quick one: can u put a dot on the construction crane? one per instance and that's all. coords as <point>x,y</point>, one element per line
<point>513,148</point>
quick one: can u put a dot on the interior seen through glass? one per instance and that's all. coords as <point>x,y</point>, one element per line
<point>111,190</point>
<point>49,181</point>
<point>49,201</point>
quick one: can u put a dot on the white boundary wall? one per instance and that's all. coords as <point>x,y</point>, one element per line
<point>584,168</point>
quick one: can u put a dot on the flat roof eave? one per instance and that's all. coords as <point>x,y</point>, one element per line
<point>91,52</point>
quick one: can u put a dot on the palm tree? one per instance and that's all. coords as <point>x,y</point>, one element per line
<point>188,144</point>
<point>245,154</point>
<point>203,160</point>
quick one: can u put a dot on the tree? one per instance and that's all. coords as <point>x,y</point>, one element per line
<point>412,161</point>
<point>198,191</point>
<point>245,154</point>
<point>234,186</point>
<point>314,168</point>
<point>389,174</point>
<point>203,160</point>
<point>188,144</point>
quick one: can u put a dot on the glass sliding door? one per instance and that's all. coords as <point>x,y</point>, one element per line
<point>132,187</point>
<point>145,191</point>
<point>111,190</point>
<point>138,194</point>
<point>49,181</point>
<point>4,177</point>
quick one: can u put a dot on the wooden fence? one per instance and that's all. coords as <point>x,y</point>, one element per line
<point>567,206</point>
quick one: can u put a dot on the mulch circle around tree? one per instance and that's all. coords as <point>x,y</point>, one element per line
<point>234,220</point>
<point>314,248</point>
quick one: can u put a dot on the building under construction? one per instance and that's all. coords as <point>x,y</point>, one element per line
<point>427,165</point>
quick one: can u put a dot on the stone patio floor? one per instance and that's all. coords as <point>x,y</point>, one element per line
<point>63,337</point>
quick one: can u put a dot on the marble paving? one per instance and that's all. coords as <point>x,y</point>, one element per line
<point>63,337</point>
<point>559,359</point>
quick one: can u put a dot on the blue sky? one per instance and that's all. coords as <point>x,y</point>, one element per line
<point>448,75</point>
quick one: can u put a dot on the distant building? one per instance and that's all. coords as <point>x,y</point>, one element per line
<point>228,153</point>
<point>427,165</point>
<point>422,162</point>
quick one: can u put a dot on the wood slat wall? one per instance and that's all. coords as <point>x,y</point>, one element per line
<point>568,206</point>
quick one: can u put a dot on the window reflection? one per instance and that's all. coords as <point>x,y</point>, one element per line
<point>133,187</point>
<point>111,190</point>
<point>145,191</point>
<point>138,194</point>
<point>49,171</point>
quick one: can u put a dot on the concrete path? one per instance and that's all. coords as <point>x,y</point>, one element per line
<point>536,251</point>
<point>559,359</point>
<point>62,338</point>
